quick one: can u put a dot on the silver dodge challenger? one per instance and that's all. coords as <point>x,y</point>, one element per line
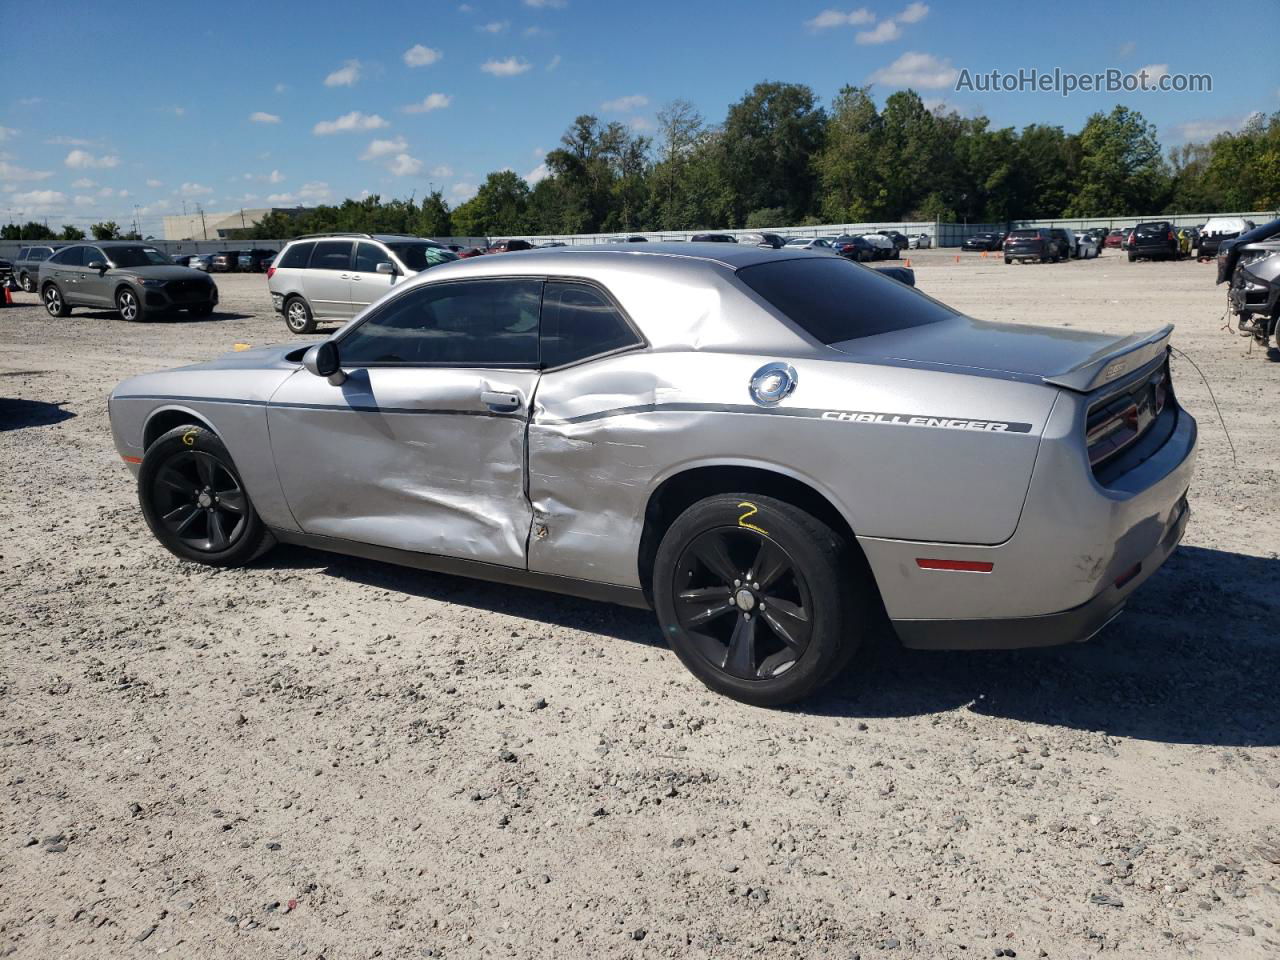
<point>774,450</point>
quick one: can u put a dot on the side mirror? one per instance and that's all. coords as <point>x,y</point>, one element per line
<point>386,266</point>
<point>99,265</point>
<point>322,360</point>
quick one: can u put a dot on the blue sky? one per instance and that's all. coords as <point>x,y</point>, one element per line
<point>237,104</point>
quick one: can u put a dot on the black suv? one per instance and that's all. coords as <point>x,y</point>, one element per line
<point>983,241</point>
<point>26,266</point>
<point>1157,240</point>
<point>1035,244</point>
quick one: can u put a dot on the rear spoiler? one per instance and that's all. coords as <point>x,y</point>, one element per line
<point>1114,361</point>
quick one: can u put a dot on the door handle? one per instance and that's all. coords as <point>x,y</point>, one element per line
<point>500,400</point>
<point>344,276</point>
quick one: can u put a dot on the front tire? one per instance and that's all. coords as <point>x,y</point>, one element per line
<point>297,316</point>
<point>26,282</point>
<point>54,303</point>
<point>1132,258</point>
<point>195,503</point>
<point>129,305</point>
<point>758,598</point>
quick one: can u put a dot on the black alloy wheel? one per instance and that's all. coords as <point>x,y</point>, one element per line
<point>200,501</point>
<point>744,603</point>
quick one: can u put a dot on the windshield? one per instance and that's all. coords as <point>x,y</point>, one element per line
<point>419,256</point>
<point>833,300</point>
<point>138,257</point>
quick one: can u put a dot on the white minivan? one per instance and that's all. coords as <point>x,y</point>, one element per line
<point>333,276</point>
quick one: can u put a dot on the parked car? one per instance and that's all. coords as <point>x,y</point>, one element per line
<point>809,243</point>
<point>771,240</point>
<point>1083,245</point>
<point>1251,263</point>
<point>854,248</point>
<point>713,238</point>
<point>1154,240</point>
<point>830,449</point>
<point>133,278</point>
<point>1036,243</point>
<point>1220,229</point>
<point>921,241</point>
<point>1115,238</point>
<point>983,241</point>
<point>631,239</point>
<point>335,276</point>
<point>881,245</point>
<point>899,239</point>
<point>252,261</point>
<point>509,246</point>
<point>26,265</point>
<point>468,252</point>
<point>225,261</point>
<point>200,261</point>
<point>181,259</point>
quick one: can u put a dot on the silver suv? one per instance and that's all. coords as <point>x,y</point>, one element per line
<point>333,276</point>
<point>26,266</point>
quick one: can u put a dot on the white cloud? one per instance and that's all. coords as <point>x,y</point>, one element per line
<point>883,32</point>
<point>275,176</point>
<point>80,201</point>
<point>838,18</point>
<point>1154,72</point>
<point>420,56</point>
<point>177,111</point>
<point>383,148</point>
<point>462,190</point>
<point>10,171</point>
<point>642,124</point>
<point>544,4</point>
<point>71,142</point>
<point>349,123</point>
<point>84,183</point>
<point>536,32</point>
<point>497,26</point>
<point>921,70</point>
<point>913,13</point>
<point>344,76</point>
<point>432,101</point>
<point>83,160</point>
<point>195,190</point>
<point>555,62</point>
<point>443,171</point>
<point>537,174</point>
<point>259,116</point>
<point>153,183</point>
<point>404,165</point>
<point>6,133</point>
<point>104,192</point>
<point>315,191</point>
<point>1196,131</point>
<point>37,200</point>
<point>509,67</point>
<point>625,104</point>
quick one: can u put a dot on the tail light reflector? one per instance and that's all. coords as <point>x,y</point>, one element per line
<point>271,272</point>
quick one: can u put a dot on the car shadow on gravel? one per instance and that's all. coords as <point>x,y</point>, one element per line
<point>16,414</point>
<point>179,317</point>
<point>1194,659</point>
<point>610,620</point>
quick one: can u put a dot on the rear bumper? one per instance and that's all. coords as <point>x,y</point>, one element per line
<point>1047,630</point>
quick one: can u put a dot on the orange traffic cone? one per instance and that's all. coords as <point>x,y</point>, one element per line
<point>8,297</point>
<point>908,261</point>
<point>957,258</point>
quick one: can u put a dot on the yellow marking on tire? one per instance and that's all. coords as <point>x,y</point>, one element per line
<point>752,510</point>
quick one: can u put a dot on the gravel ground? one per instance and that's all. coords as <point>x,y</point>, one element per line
<point>328,757</point>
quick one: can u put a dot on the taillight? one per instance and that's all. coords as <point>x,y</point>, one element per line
<point>1118,421</point>
<point>1170,234</point>
<point>271,272</point>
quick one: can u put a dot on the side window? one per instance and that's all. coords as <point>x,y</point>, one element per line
<point>368,256</point>
<point>578,322</point>
<point>479,323</point>
<point>70,257</point>
<point>93,253</point>
<point>23,254</point>
<point>297,255</point>
<point>331,255</point>
<point>41,253</point>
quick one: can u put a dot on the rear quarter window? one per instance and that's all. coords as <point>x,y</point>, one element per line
<point>297,255</point>
<point>834,300</point>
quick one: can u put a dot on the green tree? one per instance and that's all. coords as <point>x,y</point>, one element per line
<point>1048,169</point>
<point>70,232</point>
<point>109,230</point>
<point>434,218</point>
<point>1121,169</point>
<point>31,230</point>
<point>499,207</point>
<point>848,169</point>
<point>771,137</point>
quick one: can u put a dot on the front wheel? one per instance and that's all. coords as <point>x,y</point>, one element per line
<point>297,316</point>
<point>27,283</point>
<point>195,503</point>
<point>758,598</point>
<point>53,302</point>
<point>128,305</point>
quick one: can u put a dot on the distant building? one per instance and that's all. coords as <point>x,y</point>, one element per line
<point>218,226</point>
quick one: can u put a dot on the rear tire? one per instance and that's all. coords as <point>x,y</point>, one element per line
<point>1007,261</point>
<point>194,502</point>
<point>54,303</point>
<point>297,316</point>
<point>27,284</point>
<point>1132,258</point>
<point>758,598</point>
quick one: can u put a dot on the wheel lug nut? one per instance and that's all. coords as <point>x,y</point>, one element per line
<point>737,583</point>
